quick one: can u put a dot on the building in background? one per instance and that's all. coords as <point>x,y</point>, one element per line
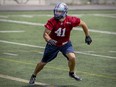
<point>22,2</point>
<point>51,2</point>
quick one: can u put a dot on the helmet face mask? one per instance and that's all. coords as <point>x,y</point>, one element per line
<point>60,11</point>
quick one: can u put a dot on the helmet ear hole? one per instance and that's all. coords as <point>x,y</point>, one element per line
<point>60,7</point>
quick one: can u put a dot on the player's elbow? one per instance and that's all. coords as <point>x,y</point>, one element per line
<point>44,36</point>
<point>82,23</point>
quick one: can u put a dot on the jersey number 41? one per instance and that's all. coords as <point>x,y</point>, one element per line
<point>61,32</point>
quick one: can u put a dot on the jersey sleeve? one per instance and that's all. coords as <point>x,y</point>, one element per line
<point>75,21</point>
<point>49,25</point>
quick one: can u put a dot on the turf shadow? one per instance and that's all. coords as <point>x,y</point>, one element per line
<point>49,86</point>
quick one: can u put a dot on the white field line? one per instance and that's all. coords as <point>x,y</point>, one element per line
<point>1,16</point>
<point>19,79</point>
<point>41,52</point>
<point>12,31</point>
<point>112,51</point>
<point>28,45</point>
<point>96,55</point>
<point>11,54</point>
<point>100,15</point>
<point>21,22</point>
<point>27,16</point>
<point>97,31</point>
<point>40,24</point>
<point>104,15</point>
<point>43,15</point>
<point>30,15</point>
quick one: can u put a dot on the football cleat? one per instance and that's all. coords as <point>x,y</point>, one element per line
<point>32,79</point>
<point>74,76</point>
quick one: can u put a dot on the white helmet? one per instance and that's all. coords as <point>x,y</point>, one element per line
<point>60,7</point>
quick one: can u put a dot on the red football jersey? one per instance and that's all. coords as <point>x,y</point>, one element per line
<point>60,31</point>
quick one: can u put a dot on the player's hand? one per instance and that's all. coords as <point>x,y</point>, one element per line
<point>52,42</point>
<point>88,40</point>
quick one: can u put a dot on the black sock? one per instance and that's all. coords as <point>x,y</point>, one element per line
<point>33,75</point>
<point>71,73</point>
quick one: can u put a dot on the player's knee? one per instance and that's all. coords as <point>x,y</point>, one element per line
<point>72,58</point>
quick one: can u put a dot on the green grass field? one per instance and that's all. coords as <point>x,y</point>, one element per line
<point>20,50</point>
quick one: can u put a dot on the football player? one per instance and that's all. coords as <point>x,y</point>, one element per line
<point>57,35</point>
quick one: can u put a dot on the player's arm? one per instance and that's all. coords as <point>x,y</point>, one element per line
<point>46,35</point>
<point>48,39</point>
<point>84,26</point>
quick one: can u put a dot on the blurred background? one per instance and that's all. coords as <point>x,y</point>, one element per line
<point>50,2</point>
